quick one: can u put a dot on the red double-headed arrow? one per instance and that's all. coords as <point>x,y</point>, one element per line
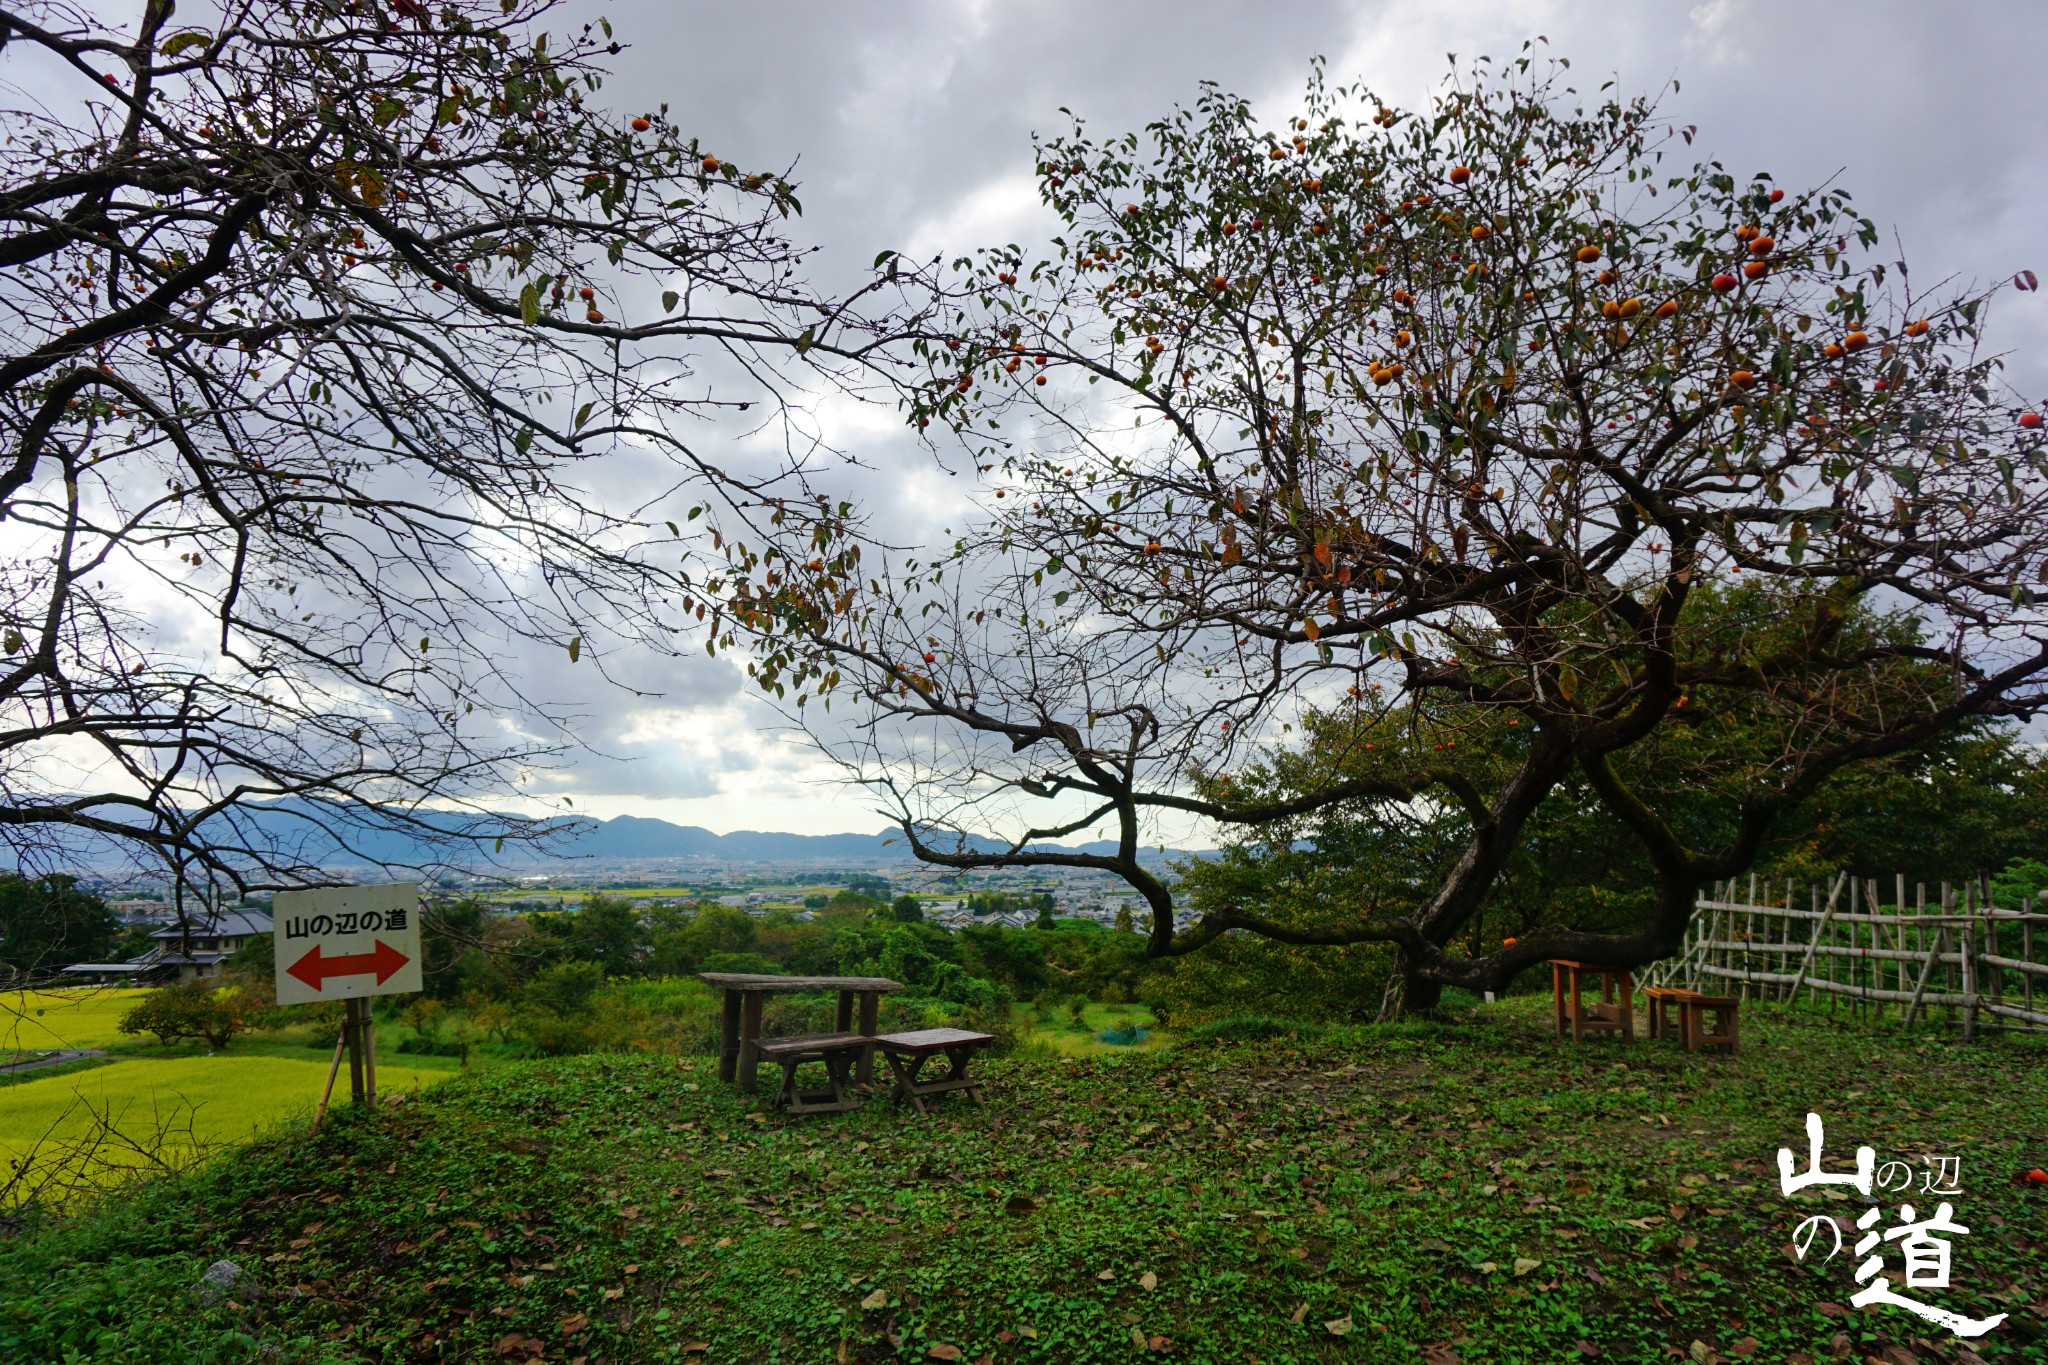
<point>313,969</point>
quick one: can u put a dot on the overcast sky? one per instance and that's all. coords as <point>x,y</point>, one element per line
<point>910,124</point>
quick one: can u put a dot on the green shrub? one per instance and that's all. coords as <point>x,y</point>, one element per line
<point>1243,1028</point>
<point>753,963</point>
<point>562,989</point>
<point>190,1009</point>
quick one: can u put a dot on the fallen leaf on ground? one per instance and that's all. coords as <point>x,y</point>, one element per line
<point>944,1350</point>
<point>1439,1353</point>
<point>1148,1280</point>
<point>575,1322</point>
<point>1523,1265</point>
<point>1105,1274</point>
<point>1338,1327</point>
<point>878,1299</point>
<point>1299,1313</point>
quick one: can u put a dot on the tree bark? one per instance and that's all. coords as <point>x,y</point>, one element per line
<point>1408,995</point>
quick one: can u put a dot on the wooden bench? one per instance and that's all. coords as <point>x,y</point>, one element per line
<point>908,1052</point>
<point>1661,1004</point>
<point>1613,1011</point>
<point>1695,1031</point>
<point>839,1052</point>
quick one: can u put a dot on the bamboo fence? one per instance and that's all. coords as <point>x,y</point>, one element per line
<point>1956,960</point>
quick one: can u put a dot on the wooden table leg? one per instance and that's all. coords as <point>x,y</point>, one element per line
<point>905,1070</point>
<point>1628,1009</point>
<point>842,1018</point>
<point>959,1057</point>
<point>866,1070</point>
<point>1578,1010</point>
<point>729,1037</point>
<point>750,1035</point>
<point>1557,998</point>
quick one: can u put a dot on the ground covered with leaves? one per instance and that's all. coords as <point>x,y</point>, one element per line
<point>1471,1192</point>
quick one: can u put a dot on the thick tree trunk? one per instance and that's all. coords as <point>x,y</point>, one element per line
<point>1409,996</point>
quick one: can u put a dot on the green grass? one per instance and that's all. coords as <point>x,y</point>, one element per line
<point>204,1101</point>
<point>1054,1032</point>
<point>1232,1200</point>
<point>79,1016</point>
<point>177,1102</point>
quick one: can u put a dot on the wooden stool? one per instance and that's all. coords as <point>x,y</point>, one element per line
<point>840,1052</point>
<point>908,1052</point>
<point>1614,1012</point>
<point>1694,1030</point>
<point>1661,1004</point>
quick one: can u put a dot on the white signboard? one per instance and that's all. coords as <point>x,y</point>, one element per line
<point>342,941</point>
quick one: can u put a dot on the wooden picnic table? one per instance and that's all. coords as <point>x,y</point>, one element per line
<point>739,1032</point>
<point>908,1052</point>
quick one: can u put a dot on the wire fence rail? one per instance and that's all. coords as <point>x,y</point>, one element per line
<point>1953,960</point>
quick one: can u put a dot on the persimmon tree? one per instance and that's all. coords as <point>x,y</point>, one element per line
<point>1442,419</point>
<point>350,349</point>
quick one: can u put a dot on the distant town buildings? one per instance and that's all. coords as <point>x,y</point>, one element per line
<point>183,954</point>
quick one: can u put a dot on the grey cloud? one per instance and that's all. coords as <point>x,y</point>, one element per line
<point>897,115</point>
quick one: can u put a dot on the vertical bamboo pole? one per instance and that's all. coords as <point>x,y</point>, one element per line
<point>1750,938</point>
<point>352,1026</point>
<point>2027,954</point>
<point>1832,929</point>
<point>1948,969</point>
<point>1813,898</point>
<point>1920,934</point>
<point>1965,946</point>
<point>369,1054</point>
<point>1899,909</point>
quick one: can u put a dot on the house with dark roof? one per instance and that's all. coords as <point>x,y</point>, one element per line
<point>183,953</point>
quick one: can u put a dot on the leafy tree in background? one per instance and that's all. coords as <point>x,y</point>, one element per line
<point>191,1009</point>
<point>49,922</point>
<point>564,988</point>
<point>1972,802</point>
<point>681,944</point>
<point>1967,803</point>
<point>608,930</point>
<point>1452,421</point>
<point>907,909</point>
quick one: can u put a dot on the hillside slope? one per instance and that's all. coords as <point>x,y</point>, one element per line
<point>1475,1193</point>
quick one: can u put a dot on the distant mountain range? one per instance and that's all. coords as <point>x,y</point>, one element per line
<point>335,836</point>
<point>638,837</point>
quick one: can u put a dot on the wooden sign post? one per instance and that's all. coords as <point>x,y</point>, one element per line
<point>348,943</point>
